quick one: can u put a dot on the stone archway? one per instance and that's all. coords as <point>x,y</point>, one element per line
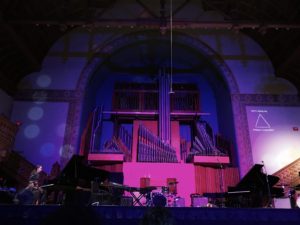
<point>180,38</point>
<point>242,137</point>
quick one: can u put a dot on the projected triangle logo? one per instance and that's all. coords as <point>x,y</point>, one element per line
<point>262,124</point>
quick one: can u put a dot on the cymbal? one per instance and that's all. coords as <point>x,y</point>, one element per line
<point>110,184</point>
<point>158,186</point>
<point>116,184</point>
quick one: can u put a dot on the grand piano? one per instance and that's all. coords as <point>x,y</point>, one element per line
<point>73,184</point>
<point>80,184</point>
<point>255,189</point>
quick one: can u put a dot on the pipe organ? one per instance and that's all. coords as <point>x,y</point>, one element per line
<point>147,127</point>
<point>204,142</point>
<point>153,149</point>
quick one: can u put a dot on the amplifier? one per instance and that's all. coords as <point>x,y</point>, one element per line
<point>179,202</point>
<point>282,203</point>
<point>198,200</point>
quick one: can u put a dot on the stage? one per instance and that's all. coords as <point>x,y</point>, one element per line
<point>115,215</point>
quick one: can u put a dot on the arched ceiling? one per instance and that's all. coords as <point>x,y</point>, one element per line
<point>29,28</point>
<point>148,57</point>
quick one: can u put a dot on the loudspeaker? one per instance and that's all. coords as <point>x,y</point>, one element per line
<point>179,202</point>
<point>199,201</point>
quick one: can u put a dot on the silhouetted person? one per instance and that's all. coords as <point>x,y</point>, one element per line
<point>35,173</point>
<point>32,193</point>
<point>157,216</point>
<point>71,215</point>
<point>38,192</point>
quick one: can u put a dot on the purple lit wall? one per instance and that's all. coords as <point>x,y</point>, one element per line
<point>275,135</point>
<point>40,138</point>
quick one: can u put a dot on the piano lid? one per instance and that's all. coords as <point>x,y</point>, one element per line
<point>77,171</point>
<point>255,177</point>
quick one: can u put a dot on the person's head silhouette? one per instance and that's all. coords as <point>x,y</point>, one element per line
<point>157,216</point>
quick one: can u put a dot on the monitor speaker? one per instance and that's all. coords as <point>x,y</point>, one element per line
<point>198,200</point>
<point>282,203</point>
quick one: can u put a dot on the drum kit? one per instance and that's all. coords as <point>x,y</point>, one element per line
<point>158,196</point>
<point>165,196</point>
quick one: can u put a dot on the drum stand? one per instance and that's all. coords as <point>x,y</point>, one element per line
<point>137,198</point>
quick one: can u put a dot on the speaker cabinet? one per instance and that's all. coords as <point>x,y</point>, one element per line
<point>198,200</point>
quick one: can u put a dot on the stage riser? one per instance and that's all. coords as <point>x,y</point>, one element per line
<point>115,215</point>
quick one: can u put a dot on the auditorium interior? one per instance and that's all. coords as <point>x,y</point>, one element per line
<point>186,109</point>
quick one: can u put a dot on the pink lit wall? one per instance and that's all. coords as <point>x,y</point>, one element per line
<point>158,174</point>
<point>274,135</point>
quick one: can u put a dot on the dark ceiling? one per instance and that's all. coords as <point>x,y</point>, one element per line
<point>29,28</point>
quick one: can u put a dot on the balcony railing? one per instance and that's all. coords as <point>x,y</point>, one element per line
<point>147,100</point>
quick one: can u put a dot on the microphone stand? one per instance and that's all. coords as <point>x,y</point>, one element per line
<point>221,182</point>
<point>268,187</point>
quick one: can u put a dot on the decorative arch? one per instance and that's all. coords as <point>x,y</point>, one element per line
<point>242,137</point>
<point>180,38</point>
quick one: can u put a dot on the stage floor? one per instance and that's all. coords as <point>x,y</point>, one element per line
<point>115,215</point>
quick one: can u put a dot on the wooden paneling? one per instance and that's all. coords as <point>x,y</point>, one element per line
<point>215,180</point>
<point>8,132</point>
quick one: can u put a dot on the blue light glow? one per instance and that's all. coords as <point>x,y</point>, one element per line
<point>47,149</point>
<point>35,113</point>
<point>31,131</point>
<point>43,81</point>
